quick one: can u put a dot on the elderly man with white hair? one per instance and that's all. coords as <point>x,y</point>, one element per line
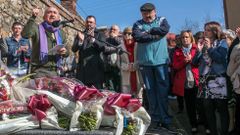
<point>45,37</point>
<point>229,36</point>
<point>112,72</point>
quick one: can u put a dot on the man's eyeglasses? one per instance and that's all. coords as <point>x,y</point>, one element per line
<point>128,33</point>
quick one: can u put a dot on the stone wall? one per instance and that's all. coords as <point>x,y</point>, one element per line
<point>20,10</point>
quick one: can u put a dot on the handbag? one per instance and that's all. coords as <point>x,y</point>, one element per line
<point>189,83</point>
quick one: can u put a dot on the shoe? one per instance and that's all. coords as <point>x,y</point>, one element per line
<point>154,126</point>
<point>208,132</point>
<point>172,97</point>
<point>180,112</point>
<point>194,130</point>
<point>170,128</point>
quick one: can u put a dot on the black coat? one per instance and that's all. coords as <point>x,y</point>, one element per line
<point>90,69</point>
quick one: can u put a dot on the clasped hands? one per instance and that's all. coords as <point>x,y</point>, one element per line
<point>23,48</point>
<point>188,58</point>
<point>131,67</point>
<point>62,51</point>
<point>90,34</point>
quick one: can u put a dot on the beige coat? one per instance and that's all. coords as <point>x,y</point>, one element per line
<point>233,69</point>
<point>123,64</point>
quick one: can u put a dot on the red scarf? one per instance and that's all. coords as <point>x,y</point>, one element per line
<point>133,75</point>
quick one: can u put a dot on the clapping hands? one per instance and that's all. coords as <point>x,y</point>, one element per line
<point>207,43</point>
<point>81,36</point>
<point>131,67</point>
<point>188,58</point>
<point>23,48</point>
<point>200,44</point>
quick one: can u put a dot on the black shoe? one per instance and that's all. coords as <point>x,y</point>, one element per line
<point>180,112</point>
<point>154,126</point>
<point>208,132</point>
<point>194,130</point>
<point>170,128</point>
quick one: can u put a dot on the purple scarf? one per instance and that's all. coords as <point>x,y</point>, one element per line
<point>43,27</point>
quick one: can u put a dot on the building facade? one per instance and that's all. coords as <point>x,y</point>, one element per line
<point>232,13</point>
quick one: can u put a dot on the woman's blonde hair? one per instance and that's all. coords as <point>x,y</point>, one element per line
<point>190,34</point>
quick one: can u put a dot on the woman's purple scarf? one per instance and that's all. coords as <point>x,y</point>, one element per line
<point>43,27</point>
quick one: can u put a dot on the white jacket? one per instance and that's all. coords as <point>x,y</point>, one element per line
<point>123,64</point>
<point>233,69</point>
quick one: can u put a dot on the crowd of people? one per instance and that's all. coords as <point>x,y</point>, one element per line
<point>203,71</point>
<point>146,61</point>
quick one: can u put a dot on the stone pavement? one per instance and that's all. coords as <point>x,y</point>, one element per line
<point>176,123</point>
<point>180,121</point>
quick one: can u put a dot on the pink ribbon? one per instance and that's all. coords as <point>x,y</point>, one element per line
<point>85,93</point>
<point>3,94</point>
<point>133,105</point>
<point>122,101</point>
<point>38,105</point>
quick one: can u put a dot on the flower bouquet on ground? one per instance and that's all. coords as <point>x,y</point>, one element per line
<point>115,120</point>
<point>129,108</point>
<point>143,119</point>
<point>13,125</point>
<point>61,86</point>
<point>17,116</point>
<point>11,109</point>
<point>113,116</point>
<point>67,109</point>
<point>135,123</point>
<point>61,98</point>
<point>4,90</point>
<point>91,114</point>
<point>43,111</point>
<point>6,82</point>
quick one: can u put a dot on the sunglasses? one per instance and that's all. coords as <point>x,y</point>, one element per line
<point>113,29</point>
